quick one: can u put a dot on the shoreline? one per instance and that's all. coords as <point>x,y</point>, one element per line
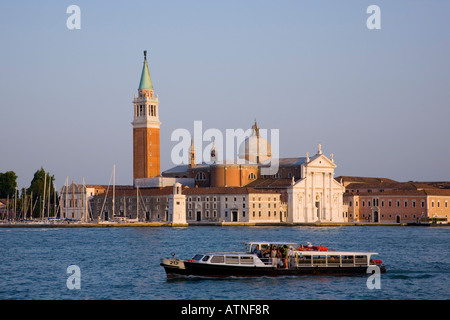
<point>210,224</point>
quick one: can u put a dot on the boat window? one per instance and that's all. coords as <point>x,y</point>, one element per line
<point>304,259</point>
<point>246,260</point>
<point>360,259</point>
<point>197,257</point>
<point>347,259</point>
<point>253,247</point>
<point>264,247</point>
<point>334,260</point>
<point>319,259</point>
<point>205,258</point>
<point>217,259</point>
<point>232,259</point>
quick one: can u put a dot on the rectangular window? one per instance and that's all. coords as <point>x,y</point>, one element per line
<point>217,259</point>
<point>319,260</point>
<point>360,259</point>
<point>246,260</point>
<point>232,259</point>
<point>334,260</point>
<point>347,259</point>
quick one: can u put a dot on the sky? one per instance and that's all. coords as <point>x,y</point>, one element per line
<point>378,99</point>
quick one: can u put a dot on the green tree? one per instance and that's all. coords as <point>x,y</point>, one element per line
<point>8,184</point>
<point>37,190</point>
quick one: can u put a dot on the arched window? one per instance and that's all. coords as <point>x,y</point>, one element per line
<point>200,176</point>
<point>251,176</point>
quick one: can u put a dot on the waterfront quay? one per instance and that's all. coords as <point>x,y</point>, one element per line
<point>197,224</point>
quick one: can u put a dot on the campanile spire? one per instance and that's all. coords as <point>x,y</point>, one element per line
<point>146,125</point>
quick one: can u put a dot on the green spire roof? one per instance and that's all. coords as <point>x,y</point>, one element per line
<point>146,82</point>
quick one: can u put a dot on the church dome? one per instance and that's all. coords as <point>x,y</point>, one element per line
<point>255,148</point>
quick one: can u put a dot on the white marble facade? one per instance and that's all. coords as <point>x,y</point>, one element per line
<point>317,196</point>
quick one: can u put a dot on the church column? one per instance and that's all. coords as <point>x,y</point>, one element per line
<point>324,201</point>
<point>313,198</point>
<point>330,203</point>
<point>305,204</point>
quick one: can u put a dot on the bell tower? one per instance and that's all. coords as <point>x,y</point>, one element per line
<point>146,157</point>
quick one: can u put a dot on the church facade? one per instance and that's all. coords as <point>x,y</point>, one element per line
<point>316,196</point>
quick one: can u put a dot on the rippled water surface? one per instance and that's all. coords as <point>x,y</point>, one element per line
<point>123,263</point>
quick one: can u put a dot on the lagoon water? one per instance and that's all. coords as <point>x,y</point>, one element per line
<point>123,263</point>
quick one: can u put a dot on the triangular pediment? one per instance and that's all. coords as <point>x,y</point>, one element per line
<point>320,160</point>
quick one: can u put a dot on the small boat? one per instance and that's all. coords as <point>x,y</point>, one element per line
<point>253,262</point>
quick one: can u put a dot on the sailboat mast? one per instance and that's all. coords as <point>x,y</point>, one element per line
<point>49,192</point>
<point>137,203</point>
<point>82,204</point>
<point>31,205</point>
<point>114,191</point>
<point>73,200</point>
<point>43,201</point>
<point>67,197</point>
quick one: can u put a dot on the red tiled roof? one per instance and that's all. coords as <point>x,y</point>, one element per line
<point>270,183</point>
<point>363,179</point>
<point>142,192</point>
<point>404,192</point>
<point>224,190</point>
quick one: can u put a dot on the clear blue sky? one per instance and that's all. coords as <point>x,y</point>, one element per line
<point>379,100</point>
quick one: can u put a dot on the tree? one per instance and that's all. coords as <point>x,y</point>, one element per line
<point>37,188</point>
<point>8,184</point>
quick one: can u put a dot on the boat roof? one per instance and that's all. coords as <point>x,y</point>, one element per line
<point>328,253</point>
<point>229,252</point>
<point>272,242</point>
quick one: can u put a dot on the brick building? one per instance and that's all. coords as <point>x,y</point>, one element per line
<point>395,202</point>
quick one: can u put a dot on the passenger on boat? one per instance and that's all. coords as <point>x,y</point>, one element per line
<point>280,257</point>
<point>266,253</point>
<point>257,252</point>
<point>273,253</point>
<point>284,255</point>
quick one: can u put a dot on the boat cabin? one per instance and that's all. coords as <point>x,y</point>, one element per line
<point>332,258</point>
<point>229,258</point>
<point>265,245</point>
